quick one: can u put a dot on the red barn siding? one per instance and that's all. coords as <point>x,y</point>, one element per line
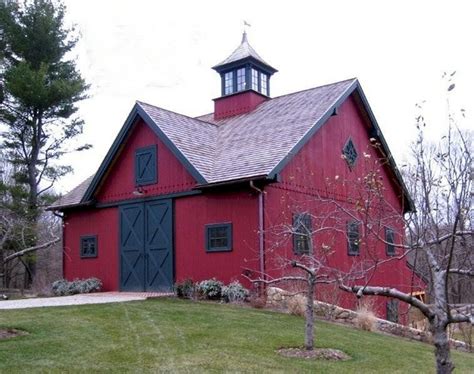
<point>191,216</point>
<point>120,181</point>
<point>239,103</point>
<point>104,224</point>
<point>306,177</point>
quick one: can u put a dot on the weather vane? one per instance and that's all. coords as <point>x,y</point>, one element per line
<point>246,25</point>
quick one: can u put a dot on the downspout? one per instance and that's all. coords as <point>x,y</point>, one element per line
<point>63,240</point>
<point>260,229</point>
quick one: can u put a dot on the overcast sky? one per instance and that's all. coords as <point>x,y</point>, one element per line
<point>161,52</point>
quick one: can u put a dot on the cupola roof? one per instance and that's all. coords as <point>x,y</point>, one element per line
<point>242,52</point>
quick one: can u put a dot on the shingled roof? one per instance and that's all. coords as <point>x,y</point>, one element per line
<point>250,145</point>
<point>243,51</point>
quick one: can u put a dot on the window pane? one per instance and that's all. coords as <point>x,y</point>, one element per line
<point>350,153</point>
<point>263,84</point>
<point>390,239</point>
<point>241,84</point>
<point>254,80</point>
<point>219,237</point>
<point>302,233</point>
<point>228,83</point>
<point>353,237</point>
<point>88,246</point>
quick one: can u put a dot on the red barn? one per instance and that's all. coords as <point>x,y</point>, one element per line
<point>179,197</point>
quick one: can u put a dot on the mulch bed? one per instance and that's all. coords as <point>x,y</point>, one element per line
<point>10,333</point>
<point>317,353</point>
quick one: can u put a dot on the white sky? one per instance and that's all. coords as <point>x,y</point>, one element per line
<point>161,52</point>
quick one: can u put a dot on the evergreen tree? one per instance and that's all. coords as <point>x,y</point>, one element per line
<point>39,89</point>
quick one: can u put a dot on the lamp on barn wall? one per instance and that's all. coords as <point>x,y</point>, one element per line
<point>138,191</point>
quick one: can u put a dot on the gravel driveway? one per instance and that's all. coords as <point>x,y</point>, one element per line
<point>92,298</point>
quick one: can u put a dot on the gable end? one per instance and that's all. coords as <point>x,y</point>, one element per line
<point>135,115</point>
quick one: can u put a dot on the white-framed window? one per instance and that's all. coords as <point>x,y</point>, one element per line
<point>229,82</point>
<point>241,81</point>
<point>264,84</point>
<point>254,79</point>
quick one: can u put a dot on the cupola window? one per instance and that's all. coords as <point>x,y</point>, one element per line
<point>254,79</point>
<point>229,82</point>
<point>264,84</point>
<point>241,80</point>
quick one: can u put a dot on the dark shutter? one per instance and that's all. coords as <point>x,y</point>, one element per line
<point>145,166</point>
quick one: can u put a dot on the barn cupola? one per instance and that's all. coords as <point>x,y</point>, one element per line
<point>245,81</point>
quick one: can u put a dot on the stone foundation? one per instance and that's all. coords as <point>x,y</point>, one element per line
<point>280,299</point>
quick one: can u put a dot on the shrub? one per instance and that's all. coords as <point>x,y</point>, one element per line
<point>365,318</point>
<point>62,287</point>
<point>297,305</point>
<point>185,289</point>
<point>210,289</point>
<point>234,292</point>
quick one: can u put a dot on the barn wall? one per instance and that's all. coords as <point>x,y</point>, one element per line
<point>104,224</point>
<point>191,216</point>
<point>120,181</point>
<point>317,172</point>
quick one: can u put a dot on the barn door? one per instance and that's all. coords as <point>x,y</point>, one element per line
<point>132,259</point>
<point>158,246</point>
<point>146,261</point>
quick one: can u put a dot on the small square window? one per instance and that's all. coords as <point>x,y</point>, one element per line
<point>89,246</point>
<point>390,239</point>
<point>145,166</point>
<point>353,238</point>
<point>302,232</point>
<point>219,237</point>
<point>392,310</point>
<point>350,153</point>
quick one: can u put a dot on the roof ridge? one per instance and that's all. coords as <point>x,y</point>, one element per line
<point>314,88</point>
<point>171,111</point>
<point>284,95</point>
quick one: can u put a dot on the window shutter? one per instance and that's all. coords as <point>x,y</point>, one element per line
<point>145,166</point>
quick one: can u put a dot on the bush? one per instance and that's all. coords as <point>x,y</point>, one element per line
<point>234,292</point>
<point>297,305</point>
<point>62,287</point>
<point>210,289</point>
<point>185,289</point>
<point>365,318</point>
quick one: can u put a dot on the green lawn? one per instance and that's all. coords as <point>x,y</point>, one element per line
<point>181,336</point>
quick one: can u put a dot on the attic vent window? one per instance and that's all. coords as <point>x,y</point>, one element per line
<point>145,166</point>
<point>350,154</point>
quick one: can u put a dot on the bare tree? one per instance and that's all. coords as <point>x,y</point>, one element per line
<point>437,234</point>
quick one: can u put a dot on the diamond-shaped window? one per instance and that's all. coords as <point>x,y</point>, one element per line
<point>350,153</point>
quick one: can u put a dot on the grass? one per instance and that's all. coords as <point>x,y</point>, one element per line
<point>171,335</point>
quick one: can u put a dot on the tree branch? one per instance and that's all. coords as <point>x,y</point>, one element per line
<point>389,292</point>
<point>31,249</point>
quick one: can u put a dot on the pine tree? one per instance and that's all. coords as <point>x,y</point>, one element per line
<point>40,87</point>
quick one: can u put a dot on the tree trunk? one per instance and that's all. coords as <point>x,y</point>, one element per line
<point>444,365</point>
<point>309,330</point>
<point>439,323</point>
